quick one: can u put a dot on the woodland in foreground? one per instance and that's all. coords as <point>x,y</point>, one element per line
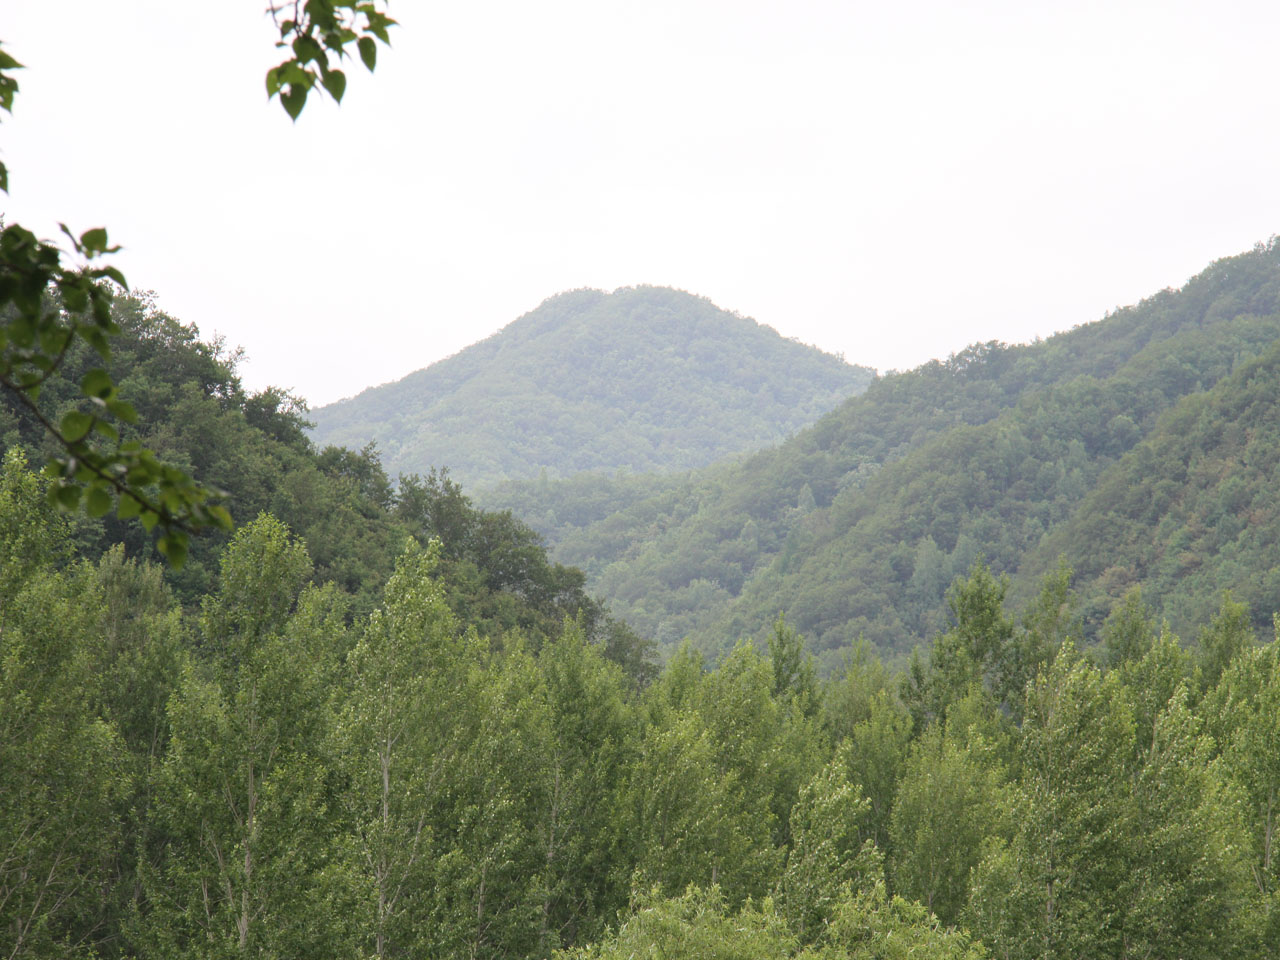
<point>378,721</point>
<point>266,774</point>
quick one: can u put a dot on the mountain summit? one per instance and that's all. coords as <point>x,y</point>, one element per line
<point>644,378</point>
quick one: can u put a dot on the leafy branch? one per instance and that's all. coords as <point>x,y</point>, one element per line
<point>318,33</point>
<point>47,307</point>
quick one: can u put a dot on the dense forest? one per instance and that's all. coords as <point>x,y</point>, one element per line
<point>260,773</point>
<point>377,720</point>
<point>641,379</point>
<point>1139,447</point>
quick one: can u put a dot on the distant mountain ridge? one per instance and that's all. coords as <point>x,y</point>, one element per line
<point>1142,448</point>
<point>643,379</point>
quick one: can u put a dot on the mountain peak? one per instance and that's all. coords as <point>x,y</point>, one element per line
<point>643,378</point>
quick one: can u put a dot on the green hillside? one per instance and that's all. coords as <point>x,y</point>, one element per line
<point>857,525</point>
<point>1191,511</point>
<point>393,727</point>
<point>194,412</point>
<point>645,378</point>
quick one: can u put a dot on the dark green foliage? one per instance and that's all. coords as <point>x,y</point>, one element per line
<point>194,412</point>
<point>317,35</point>
<point>644,378</point>
<point>1189,512</point>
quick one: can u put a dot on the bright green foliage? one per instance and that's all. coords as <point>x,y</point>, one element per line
<point>876,754</point>
<point>490,886</point>
<point>695,926</point>
<point>832,852</point>
<point>138,658</point>
<point>699,925</point>
<point>1151,680</point>
<point>582,842</point>
<point>1049,893</point>
<point>63,775</point>
<point>794,670</point>
<point>1127,842</point>
<point>689,821</point>
<point>400,736</point>
<point>1187,890</point>
<point>263,573</point>
<point>1228,634</point>
<point>1129,630</point>
<point>721,764</point>
<point>873,926</point>
<point>950,800</point>
<point>767,741</point>
<point>32,535</point>
<point>971,653</point>
<point>243,792</point>
<point>847,697</point>
<point>1047,623</point>
<point>1243,712</point>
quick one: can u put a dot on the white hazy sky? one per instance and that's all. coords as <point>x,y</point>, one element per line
<point>889,180</point>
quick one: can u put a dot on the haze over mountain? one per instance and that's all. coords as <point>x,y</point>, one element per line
<point>644,378</point>
<point>1141,448</point>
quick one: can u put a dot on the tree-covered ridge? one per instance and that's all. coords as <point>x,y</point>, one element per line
<point>1189,512</point>
<point>644,378</point>
<point>194,412</point>
<point>856,525</point>
<point>261,776</point>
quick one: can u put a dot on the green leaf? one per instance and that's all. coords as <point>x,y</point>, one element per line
<point>335,81</point>
<point>67,496</point>
<point>98,502</point>
<point>75,425</point>
<point>149,520</point>
<point>173,545</point>
<point>95,240</point>
<point>114,274</point>
<point>106,429</point>
<point>74,242</point>
<point>128,508</point>
<point>294,100</point>
<point>97,383</point>
<point>368,52</point>
<point>124,410</point>
<point>306,49</point>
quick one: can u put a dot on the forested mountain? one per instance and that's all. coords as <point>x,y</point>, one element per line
<point>260,775</point>
<point>1138,445</point>
<point>194,413</point>
<point>644,378</point>
<point>392,727</point>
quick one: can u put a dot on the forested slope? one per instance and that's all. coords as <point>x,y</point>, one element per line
<point>643,378</point>
<point>856,525</point>
<point>262,776</point>
<point>434,744</point>
<point>194,413</point>
<point>1191,511</point>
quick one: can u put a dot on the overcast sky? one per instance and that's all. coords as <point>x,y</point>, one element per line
<point>888,180</point>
